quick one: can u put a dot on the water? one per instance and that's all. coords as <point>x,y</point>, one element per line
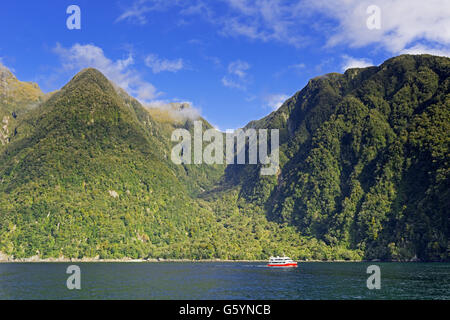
<point>221,280</point>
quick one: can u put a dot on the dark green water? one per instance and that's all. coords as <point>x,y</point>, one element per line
<point>224,281</point>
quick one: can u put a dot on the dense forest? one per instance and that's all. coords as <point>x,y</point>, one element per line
<point>365,160</point>
<point>364,173</point>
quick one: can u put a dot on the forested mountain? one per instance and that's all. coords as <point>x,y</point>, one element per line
<point>88,174</point>
<point>16,98</point>
<point>364,160</point>
<point>364,173</point>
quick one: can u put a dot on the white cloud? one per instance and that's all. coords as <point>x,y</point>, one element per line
<point>264,20</point>
<point>403,23</point>
<point>119,71</point>
<point>238,68</point>
<point>158,65</point>
<point>274,101</point>
<point>350,62</point>
<point>182,110</point>
<point>421,49</point>
<point>138,11</point>
<point>237,76</point>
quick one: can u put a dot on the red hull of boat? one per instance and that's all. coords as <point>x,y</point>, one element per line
<point>291,265</point>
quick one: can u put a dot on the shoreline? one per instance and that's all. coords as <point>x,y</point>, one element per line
<point>36,259</point>
<point>55,260</point>
<point>152,260</point>
<point>26,260</point>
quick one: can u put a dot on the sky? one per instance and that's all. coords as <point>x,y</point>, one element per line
<point>233,60</point>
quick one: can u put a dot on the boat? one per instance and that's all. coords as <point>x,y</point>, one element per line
<point>282,262</point>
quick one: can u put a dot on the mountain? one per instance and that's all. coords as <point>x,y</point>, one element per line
<point>16,98</point>
<point>364,173</point>
<point>85,176</point>
<point>88,174</point>
<point>364,160</point>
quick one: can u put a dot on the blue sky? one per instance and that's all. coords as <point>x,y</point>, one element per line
<point>233,60</point>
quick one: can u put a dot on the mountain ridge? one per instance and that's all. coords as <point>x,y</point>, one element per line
<point>88,174</point>
<point>338,138</point>
<point>16,98</point>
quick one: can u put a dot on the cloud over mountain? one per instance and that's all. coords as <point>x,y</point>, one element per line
<point>350,62</point>
<point>120,71</point>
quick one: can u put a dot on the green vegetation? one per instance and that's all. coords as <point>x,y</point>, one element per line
<point>365,160</point>
<point>364,174</point>
<point>16,98</point>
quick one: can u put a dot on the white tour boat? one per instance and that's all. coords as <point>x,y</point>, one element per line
<point>281,262</point>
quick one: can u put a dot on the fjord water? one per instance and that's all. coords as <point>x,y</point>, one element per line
<point>224,280</point>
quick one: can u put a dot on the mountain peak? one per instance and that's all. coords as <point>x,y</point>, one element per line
<point>89,72</point>
<point>89,90</point>
<point>90,77</point>
<point>16,94</point>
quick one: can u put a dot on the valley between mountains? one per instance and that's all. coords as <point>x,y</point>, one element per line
<point>85,172</point>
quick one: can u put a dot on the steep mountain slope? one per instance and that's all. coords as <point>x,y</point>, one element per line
<point>160,123</point>
<point>16,98</point>
<point>88,174</point>
<point>364,173</point>
<point>364,160</point>
<point>85,177</point>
